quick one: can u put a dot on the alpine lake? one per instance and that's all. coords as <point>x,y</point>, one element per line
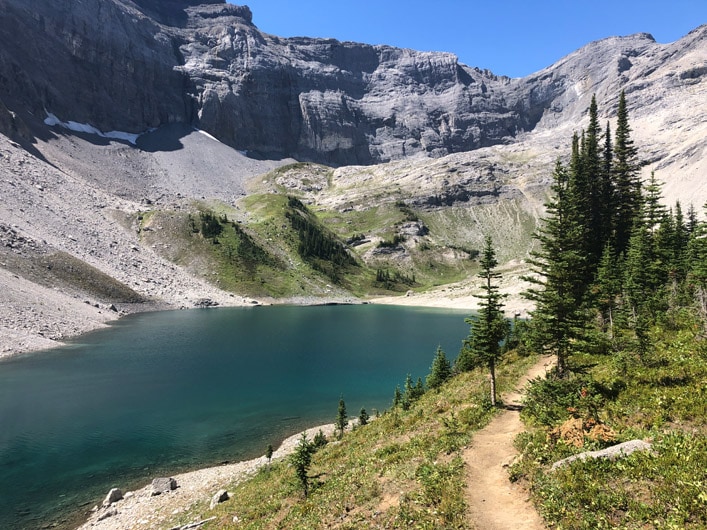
<point>160,393</point>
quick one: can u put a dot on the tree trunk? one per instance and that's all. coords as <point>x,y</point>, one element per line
<point>492,366</point>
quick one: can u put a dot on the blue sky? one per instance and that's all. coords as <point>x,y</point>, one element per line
<point>509,37</point>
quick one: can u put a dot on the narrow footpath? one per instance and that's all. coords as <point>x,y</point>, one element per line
<point>494,502</point>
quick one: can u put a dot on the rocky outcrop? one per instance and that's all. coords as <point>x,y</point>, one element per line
<point>122,65</point>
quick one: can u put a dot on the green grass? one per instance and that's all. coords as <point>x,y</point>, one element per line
<point>403,470</point>
<point>660,396</point>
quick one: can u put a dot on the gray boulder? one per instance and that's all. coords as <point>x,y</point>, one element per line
<point>219,497</point>
<point>163,485</point>
<point>114,495</point>
<point>610,453</point>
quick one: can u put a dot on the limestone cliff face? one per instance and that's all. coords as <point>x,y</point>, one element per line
<point>134,65</point>
<point>99,62</point>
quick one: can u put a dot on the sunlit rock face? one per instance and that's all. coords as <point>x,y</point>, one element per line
<point>122,65</point>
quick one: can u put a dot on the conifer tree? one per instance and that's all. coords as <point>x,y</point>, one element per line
<point>607,287</point>
<point>559,278</point>
<point>301,460</point>
<point>489,327</point>
<point>607,188</point>
<point>341,418</point>
<point>638,278</point>
<point>654,211</point>
<point>697,267</point>
<point>419,388</point>
<point>409,389</point>
<point>269,452</point>
<point>593,168</point>
<point>627,186</point>
<point>397,396</point>
<point>440,371</point>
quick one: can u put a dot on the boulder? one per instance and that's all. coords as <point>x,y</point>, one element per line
<point>163,485</point>
<point>611,453</point>
<point>219,497</point>
<point>114,495</point>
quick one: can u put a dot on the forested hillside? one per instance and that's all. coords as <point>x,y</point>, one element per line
<point>620,301</point>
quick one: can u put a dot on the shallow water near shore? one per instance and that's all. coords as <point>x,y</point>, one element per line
<point>159,393</point>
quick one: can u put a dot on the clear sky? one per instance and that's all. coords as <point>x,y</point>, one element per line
<point>509,37</point>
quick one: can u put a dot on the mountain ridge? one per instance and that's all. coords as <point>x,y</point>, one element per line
<point>318,100</point>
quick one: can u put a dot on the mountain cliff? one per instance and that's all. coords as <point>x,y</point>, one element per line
<point>135,65</point>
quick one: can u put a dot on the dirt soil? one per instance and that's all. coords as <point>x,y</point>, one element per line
<point>494,502</point>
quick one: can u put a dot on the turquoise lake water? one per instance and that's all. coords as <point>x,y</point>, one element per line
<point>164,392</point>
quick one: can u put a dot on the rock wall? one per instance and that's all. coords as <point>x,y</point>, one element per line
<point>134,65</point>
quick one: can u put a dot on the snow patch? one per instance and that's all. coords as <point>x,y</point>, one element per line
<point>208,135</point>
<point>244,153</point>
<point>53,121</point>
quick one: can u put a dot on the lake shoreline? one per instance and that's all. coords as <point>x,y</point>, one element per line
<point>12,346</point>
<point>140,509</point>
<point>99,316</point>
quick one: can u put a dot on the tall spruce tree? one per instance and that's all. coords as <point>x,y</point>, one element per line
<point>489,327</point>
<point>607,188</point>
<point>697,267</point>
<point>627,185</point>
<point>559,279</point>
<point>593,169</point>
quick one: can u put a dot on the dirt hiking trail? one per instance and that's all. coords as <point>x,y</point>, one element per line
<point>494,502</point>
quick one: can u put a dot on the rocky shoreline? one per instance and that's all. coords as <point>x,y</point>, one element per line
<point>144,509</point>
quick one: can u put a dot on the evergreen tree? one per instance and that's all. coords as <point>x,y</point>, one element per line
<point>319,440</point>
<point>607,189</point>
<point>409,389</point>
<point>654,211</point>
<point>679,246</point>
<point>269,452</point>
<point>691,219</point>
<point>490,327</point>
<point>363,417</point>
<point>607,287</point>
<point>397,396</point>
<point>627,185</point>
<point>639,280</point>
<point>301,460</point>
<point>440,371</point>
<point>413,391</point>
<point>697,267</point>
<point>341,418</point>
<point>419,388</point>
<point>593,169</point>
<point>559,279</point>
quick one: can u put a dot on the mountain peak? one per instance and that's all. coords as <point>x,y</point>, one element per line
<point>178,12</point>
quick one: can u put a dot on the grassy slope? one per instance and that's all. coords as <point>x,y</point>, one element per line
<point>374,207</point>
<point>660,396</point>
<point>402,470</point>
